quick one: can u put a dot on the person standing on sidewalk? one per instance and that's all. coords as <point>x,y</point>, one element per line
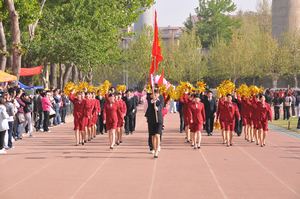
<point>11,111</point>
<point>3,124</point>
<point>46,105</point>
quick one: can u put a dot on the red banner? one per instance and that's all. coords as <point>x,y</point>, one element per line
<point>31,71</point>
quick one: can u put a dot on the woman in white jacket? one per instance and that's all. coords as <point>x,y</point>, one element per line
<point>3,124</point>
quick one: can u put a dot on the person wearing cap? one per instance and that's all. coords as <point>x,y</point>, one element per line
<point>110,118</point>
<point>198,118</point>
<point>265,113</point>
<point>155,120</point>
<point>231,112</point>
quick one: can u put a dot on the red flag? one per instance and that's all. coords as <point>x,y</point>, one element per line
<point>31,71</point>
<point>156,50</point>
<point>161,78</point>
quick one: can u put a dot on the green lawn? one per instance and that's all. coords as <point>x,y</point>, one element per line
<point>284,124</point>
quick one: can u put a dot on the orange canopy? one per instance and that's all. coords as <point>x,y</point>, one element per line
<point>5,77</point>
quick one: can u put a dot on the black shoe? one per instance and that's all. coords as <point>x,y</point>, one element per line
<point>156,156</point>
<point>117,143</point>
<point>82,143</point>
<point>111,147</point>
<point>121,142</point>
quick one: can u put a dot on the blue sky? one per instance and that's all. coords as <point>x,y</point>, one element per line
<point>175,12</point>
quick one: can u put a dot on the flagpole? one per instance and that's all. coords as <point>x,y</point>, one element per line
<point>154,104</point>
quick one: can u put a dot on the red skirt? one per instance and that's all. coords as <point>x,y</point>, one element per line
<point>120,122</point>
<point>229,126</point>
<point>263,125</point>
<point>195,127</point>
<point>78,123</point>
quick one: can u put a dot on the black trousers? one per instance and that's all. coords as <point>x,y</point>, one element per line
<point>129,123</point>
<point>46,121</point>
<point>181,127</point>
<point>38,120</point>
<point>209,124</point>
<point>2,134</point>
<point>298,125</point>
<point>134,121</point>
<point>238,127</point>
<point>276,112</point>
<point>63,114</point>
<point>100,125</point>
<point>286,113</point>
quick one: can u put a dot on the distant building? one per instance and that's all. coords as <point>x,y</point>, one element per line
<point>170,35</point>
<point>285,16</point>
<point>145,19</point>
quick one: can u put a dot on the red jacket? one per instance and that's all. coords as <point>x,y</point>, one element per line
<point>197,113</point>
<point>221,109</point>
<point>254,109</point>
<point>110,112</point>
<point>122,109</point>
<point>231,112</point>
<point>264,111</point>
<point>89,106</point>
<point>79,106</point>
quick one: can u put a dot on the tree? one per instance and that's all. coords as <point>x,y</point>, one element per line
<point>215,21</point>
<point>184,61</point>
<point>291,42</point>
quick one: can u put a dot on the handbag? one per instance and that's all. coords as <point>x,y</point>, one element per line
<point>21,118</point>
<point>51,112</point>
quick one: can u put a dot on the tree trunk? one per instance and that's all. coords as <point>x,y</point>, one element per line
<point>80,76</point>
<point>275,81</point>
<point>296,80</point>
<point>89,76</point>
<point>3,51</point>
<point>67,74</point>
<point>16,37</point>
<point>60,77</point>
<point>52,77</point>
<point>45,77</point>
<point>74,74</point>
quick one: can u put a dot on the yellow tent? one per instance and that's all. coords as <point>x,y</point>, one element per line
<point>5,77</point>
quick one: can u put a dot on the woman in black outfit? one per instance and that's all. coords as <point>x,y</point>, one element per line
<point>155,121</point>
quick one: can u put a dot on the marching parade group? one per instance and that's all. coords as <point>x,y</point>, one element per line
<point>112,110</point>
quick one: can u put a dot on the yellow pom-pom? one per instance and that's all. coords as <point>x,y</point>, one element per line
<point>121,88</point>
<point>243,91</point>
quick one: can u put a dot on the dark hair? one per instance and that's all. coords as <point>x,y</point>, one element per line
<point>228,95</point>
<point>18,91</point>
<point>111,94</point>
<point>156,90</point>
<point>261,95</point>
<point>196,96</point>
<point>209,91</point>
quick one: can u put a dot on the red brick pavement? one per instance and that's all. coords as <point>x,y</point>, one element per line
<point>50,166</point>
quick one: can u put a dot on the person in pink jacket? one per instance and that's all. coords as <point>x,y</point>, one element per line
<point>46,105</point>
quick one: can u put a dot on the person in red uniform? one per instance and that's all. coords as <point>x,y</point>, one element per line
<point>265,114</point>
<point>197,115</point>
<point>220,117</point>
<point>231,112</point>
<point>245,114</point>
<point>78,113</point>
<point>110,118</point>
<point>96,112</point>
<point>88,114</point>
<point>122,109</point>
<point>186,100</point>
<point>254,119</point>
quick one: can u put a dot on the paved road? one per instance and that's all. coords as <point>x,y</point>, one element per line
<point>50,166</point>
